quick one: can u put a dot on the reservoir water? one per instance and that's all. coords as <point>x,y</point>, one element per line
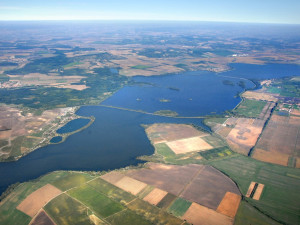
<point>56,139</point>
<point>73,126</point>
<point>116,137</point>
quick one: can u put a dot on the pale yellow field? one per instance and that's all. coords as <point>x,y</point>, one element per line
<point>259,96</point>
<point>200,215</point>
<point>188,145</point>
<point>130,185</point>
<point>112,177</point>
<point>155,196</point>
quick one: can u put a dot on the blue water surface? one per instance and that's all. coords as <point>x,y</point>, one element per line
<point>116,137</point>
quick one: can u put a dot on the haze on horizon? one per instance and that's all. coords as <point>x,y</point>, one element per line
<point>255,11</point>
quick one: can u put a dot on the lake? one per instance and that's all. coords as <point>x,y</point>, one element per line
<point>116,137</point>
<point>73,125</point>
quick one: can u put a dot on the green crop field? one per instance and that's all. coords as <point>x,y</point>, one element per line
<point>127,217</point>
<point>249,108</point>
<point>152,213</point>
<point>216,153</point>
<point>280,197</point>
<point>99,203</point>
<point>71,180</point>
<point>164,150</point>
<point>214,141</point>
<point>111,191</point>
<point>65,210</point>
<point>8,212</point>
<point>179,207</point>
<point>248,215</point>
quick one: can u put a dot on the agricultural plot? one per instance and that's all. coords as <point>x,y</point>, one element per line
<point>179,143</point>
<point>188,145</point>
<point>111,191</point>
<point>36,200</point>
<point>280,141</point>
<point>170,178</point>
<point>130,185</point>
<point>42,219</point>
<point>216,153</point>
<point>72,179</point>
<point>250,108</point>
<point>199,215</point>
<point>179,207</point>
<point>229,204</point>
<point>279,198</point>
<point>152,213</point>
<point>166,201</point>
<point>65,210</point>
<point>248,215</point>
<point>99,203</point>
<point>159,133</point>
<point>244,134</point>
<point>260,96</point>
<point>208,188</point>
<point>155,196</point>
<point>127,217</point>
<point>8,212</point>
<point>196,183</point>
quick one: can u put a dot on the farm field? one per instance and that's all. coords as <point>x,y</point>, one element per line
<point>90,195</point>
<point>250,108</point>
<point>180,143</point>
<point>65,210</point>
<point>198,214</point>
<point>36,200</point>
<point>244,134</point>
<point>8,207</point>
<point>260,96</point>
<point>179,207</point>
<point>279,198</point>
<point>280,141</point>
<point>97,202</point>
<point>42,219</point>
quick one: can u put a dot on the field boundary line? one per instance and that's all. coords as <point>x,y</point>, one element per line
<point>117,213</point>
<point>87,208</point>
<point>188,184</point>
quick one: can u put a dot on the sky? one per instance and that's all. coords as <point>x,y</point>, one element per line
<point>256,11</point>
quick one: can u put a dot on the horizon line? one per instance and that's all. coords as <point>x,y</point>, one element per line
<point>142,20</point>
